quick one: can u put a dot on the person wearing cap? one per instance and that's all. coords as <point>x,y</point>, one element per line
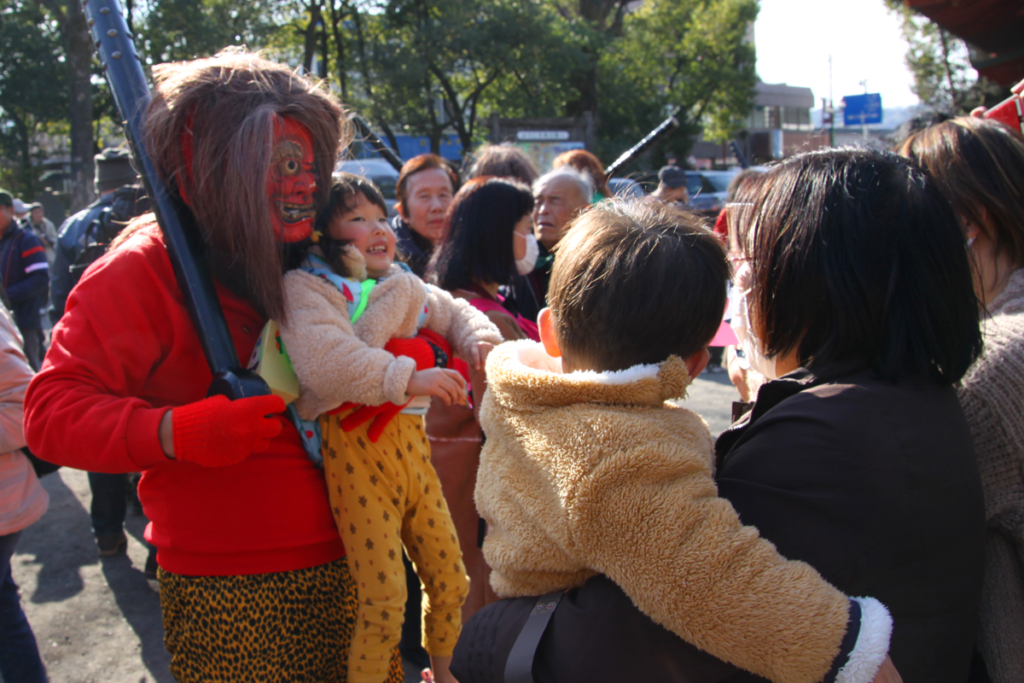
<point>42,226</point>
<point>23,269</point>
<point>109,506</point>
<point>671,186</point>
<point>20,210</point>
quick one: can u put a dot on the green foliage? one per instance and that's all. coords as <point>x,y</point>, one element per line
<point>431,63</point>
<point>185,29</point>
<point>32,94</point>
<point>690,54</point>
<point>430,67</point>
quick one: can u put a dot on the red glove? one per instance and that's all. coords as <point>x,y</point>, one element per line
<point>381,415</point>
<point>415,348</point>
<point>217,431</point>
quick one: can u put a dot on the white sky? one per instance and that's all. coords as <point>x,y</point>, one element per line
<point>795,37</point>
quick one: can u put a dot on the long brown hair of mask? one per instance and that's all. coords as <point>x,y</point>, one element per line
<point>228,104</point>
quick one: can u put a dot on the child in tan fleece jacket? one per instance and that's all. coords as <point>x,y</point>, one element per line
<point>383,489</point>
<point>588,470</point>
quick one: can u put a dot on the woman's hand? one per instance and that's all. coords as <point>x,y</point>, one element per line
<point>737,373</point>
<point>478,354</point>
<point>438,671</point>
<point>887,673</point>
<point>447,385</point>
<point>979,112</point>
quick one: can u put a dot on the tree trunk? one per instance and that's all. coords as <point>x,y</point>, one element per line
<point>953,93</point>
<point>27,181</point>
<point>337,16</point>
<point>78,48</point>
<point>596,13</point>
<point>323,50</point>
<point>310,37</point>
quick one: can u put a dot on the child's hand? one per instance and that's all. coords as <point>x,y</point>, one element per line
<point>478,354</point>
<point>438,671</point>
<point>448,385</point>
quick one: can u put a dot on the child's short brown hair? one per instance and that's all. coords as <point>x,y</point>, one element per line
<point>635,283</point>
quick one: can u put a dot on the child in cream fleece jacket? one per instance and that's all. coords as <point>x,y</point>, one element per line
<point>349,339</point>
<point>587,470</point>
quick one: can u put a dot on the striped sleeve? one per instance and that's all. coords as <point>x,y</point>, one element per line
<point>33,254</point>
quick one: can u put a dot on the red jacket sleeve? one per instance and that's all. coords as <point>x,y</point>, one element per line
<point>94,405</point>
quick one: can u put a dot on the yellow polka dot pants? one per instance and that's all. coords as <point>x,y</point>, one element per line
<point>384,495</point>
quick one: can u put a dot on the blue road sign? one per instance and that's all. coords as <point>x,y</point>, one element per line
<point>860,110</point>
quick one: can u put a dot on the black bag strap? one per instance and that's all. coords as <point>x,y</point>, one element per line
<point>519,667</point>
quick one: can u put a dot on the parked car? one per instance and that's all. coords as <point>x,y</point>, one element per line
<point>379,171</point>
<point>626,188</point>
<point>708,189</point>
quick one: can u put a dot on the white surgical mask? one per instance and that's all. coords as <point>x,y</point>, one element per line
<point>752,345</point>
<point>525,265</point>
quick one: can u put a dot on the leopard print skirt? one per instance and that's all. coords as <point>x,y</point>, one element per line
<point>290,626</point>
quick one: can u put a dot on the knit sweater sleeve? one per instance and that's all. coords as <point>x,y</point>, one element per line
<point>15,375</point>
<point>655,525</point>
<point>992,396</point>
<point>332,364</point>
<point>457,321</point>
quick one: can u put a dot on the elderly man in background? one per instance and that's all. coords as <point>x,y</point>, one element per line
<point>671,186</point>
<point>559,197</point>
<point>20,211</point>
<point>43,227</point>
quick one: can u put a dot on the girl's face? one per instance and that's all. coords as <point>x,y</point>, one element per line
<point>428,195</point>
<point>366,228</point>
<point>523,228</point>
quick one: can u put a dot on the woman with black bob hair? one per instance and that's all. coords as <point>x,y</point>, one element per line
<point>856,456</point>
<point>488,239</point>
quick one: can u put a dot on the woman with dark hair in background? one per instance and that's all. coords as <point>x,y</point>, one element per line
<point>979,165</point>
<point>425,187</point>
<point>856,456</point>
<point>487,241</point>
<point>588,164</point>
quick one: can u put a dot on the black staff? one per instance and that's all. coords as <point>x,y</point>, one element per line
<point>378,145</point>
<point>666,127</point>
<point>127,82</point>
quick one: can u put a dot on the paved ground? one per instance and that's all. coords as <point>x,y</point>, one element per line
<point>98,621</point>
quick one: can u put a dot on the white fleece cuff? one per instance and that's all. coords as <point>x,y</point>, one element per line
<point>872,645</point>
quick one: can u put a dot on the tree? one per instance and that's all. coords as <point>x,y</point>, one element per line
<point>944,79</point>
<point>186,29</point>
<point>429,64</point>
<point>30,98</point>
<point>78,55</point>
<point>687,54</point>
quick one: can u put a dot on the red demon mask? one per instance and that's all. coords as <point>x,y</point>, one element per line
<point>291,182</point>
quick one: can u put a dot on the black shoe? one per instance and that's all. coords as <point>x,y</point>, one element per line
<point>151,565</point>
<point>111,544</point>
